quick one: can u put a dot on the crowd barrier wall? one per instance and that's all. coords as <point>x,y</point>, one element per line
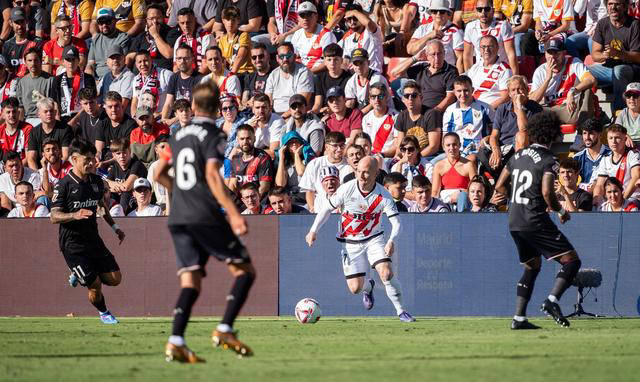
<point>33,279</point>
<point>462,265</point>
<point>448,264</point>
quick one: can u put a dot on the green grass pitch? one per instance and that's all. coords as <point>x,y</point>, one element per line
<point>334,349</point>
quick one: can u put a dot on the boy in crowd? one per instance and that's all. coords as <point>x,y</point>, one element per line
<point>425,203</point>
<point>26,203</point>
<point>142,195</point>
<point>396,184</point>
<point>123,173</point>
<point>183,112</point>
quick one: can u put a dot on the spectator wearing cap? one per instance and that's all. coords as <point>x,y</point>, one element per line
<point>14,172</point>
<point>193,37</point>
<point>252,15</point>
<point>142,194</point>
<point>563,85</point>
<point>118,125</point>
<point>205,12</point>
<point>311,181</point>
<point>334,76</point>
<point>363,33</point>
<point>180,83</point>
<point>509,131</point>
<point>87,122</point>
<point>37,17</point>
<point>629,117</point>
<point>250,197</point>
<point>250,164</point>
<point>79,14</point>
<point>119,78</point>
<point>14,49</point>
<point>486,24</point>
<point>418,121</point>
<point>594,150</point>
<point>379,122</point>
<point>129,14</point>
<point>255,83</point>
<point>490,75</point>
<point>293,156</point>
<point>269,126</point>
<point>34,86</point>
<point>54,49</point>
<point>357,88</point>
<point>67,85</point>
<point>106,36</point>
<point>616,50</point>
<point>161,145</point>
<point>441,28</point>
<point>341,118</point>
<point>310,40</point>
<point>158,38</point>
<point>142,138</point>
<point>150,78</point>
<point>124,170</point>
<point>235,44</point>
<point>227,81</point>
<point>280,202</point>
<point>8,81</point>
<point>26,206</point>
<point>288,79</point>
<point>14,134</point>
<point>49,128</point>
<point>434,75</point>
<point>305,123</point>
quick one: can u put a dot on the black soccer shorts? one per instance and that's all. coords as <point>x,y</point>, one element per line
<point>88,265</point>
<point>194,244</point>
<point>548,242</point>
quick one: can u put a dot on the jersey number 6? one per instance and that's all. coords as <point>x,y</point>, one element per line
<point>185,172</point>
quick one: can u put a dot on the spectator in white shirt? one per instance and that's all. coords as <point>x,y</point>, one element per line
<point>142,193</point>
<point>26,203</point>
<point>288,79</point>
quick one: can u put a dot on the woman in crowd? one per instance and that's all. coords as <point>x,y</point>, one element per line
<point>293,157</point>
<point>410,163</point>
<point>451,176</point>
<point>479,194</point>
<point>388,15</point>
<point>615,201</point>
<point>229,123</point>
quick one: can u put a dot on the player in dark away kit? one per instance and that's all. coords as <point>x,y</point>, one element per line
<point>532,172</point>
<point>76,199</point>
<point>198,227</point>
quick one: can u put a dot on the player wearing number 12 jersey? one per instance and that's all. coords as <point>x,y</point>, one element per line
<point>198,227</point>
<point>362,202</point>
<point>532,172</point>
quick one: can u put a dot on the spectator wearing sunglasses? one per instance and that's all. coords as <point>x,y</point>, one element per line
<point>379,122</point>
<point>107,36</point>
<point>363,33</point>
<point>129,14</point>
<point>52,51</point>
<point>288,79</point>
<point>359,85</point>
<point>418,121</point>
<point>305,123</point>
<point>410,163</point>
<point>486,24</point>
<point>256,82</point>
<point>629,117</point>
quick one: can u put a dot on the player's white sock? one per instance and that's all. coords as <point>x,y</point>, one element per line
<point>520,318</point>
<point>176,340</point>
<point>394,292</point>
<point>552,298</point>
<point>224,328</point>
<point>367,286</point>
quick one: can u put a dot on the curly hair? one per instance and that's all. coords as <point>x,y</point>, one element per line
<point>592,124</point>
<point>544,128</point>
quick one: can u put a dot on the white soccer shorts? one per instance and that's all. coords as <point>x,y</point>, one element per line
<point>358,257</point>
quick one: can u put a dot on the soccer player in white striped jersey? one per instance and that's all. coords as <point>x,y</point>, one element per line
<point>362,202</point>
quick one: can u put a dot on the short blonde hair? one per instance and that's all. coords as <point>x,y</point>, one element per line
<point>522,80</point>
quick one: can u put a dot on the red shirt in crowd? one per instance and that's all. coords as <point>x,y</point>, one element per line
<point>17,142</point>
<point>353,120</point>
<point>53,51</point>
<point>140,137</point>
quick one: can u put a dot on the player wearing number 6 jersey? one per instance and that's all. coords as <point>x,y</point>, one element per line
<point>362,202</point>
<point>532,172</point>
<point>197,225</point>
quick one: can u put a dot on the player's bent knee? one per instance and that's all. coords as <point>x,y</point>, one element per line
<point>533,264</point>
<point>111,279</point>
<point>568,257</point>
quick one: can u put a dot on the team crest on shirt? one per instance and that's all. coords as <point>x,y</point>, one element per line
<point>315,46</point>
<point>94,187</point>
<point>494,75</point>
<point>55,195</point>
<point>386,126</point>
<point>477,113</point>
<point>556,12</point>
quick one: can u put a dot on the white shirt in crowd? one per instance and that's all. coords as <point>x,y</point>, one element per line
<point>280,86</point>
<point>371,42</point>
<point>501,30</point>
<point>150,210</point>
<point>158,190</point>
<point>489,82</point>
<point>40,212</point>
<point>607,168</point>
<point>139,86</point>
<point>380,129</point>
<point>453,40</point>
<point>302,45</point>
<point>569,76</point>
<point>231,85</point>
<point>9,188</point>
<point>270,134</point>
<point>359,90</point>
<point>311,180</point>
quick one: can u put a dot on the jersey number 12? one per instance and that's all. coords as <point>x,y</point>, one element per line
<point>522,180</point>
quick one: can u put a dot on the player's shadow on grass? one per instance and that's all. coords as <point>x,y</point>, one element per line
<point>81,355</point>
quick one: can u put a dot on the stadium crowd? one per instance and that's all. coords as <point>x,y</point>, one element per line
<point>438,91</point>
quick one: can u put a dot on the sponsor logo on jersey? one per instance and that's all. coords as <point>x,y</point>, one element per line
<point>86,204</point>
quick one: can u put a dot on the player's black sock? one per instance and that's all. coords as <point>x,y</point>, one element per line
<point>524,290</point>
<point>564,278</point>
<point>181,313</point>
<point>101,305</point>
<point>238,296</point>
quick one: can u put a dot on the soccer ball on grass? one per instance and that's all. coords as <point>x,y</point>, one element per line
<point>308,311</point>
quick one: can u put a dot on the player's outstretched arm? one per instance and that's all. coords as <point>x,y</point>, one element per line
<point>106,215</point>
<point>318,222</point>
<point>549,195</point>
<point>58,217</point>
<point>219,191</point>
